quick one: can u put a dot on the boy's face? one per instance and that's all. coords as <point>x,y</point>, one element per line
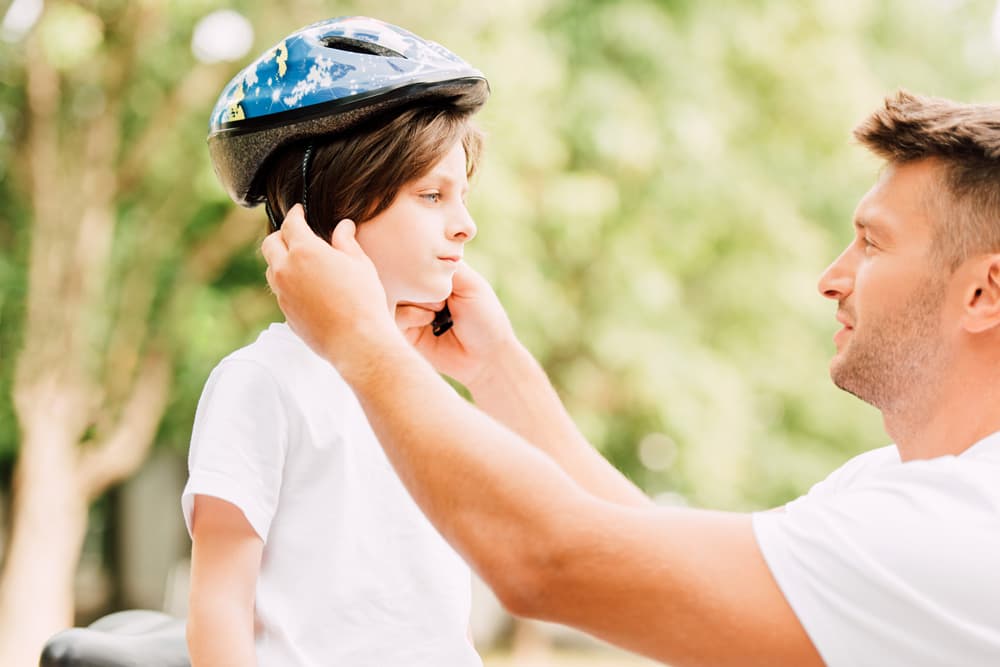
<point>417,242</point>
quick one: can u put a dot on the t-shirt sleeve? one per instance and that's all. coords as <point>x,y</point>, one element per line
<point>238,443</point>
<point>895,570</point>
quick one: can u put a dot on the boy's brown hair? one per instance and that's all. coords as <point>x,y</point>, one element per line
<point>359,174</point>
<point>965,140</point>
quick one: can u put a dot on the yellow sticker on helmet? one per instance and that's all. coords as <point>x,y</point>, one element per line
<point>235,112</point>
<point>281,53</point>
<point>235,109</point>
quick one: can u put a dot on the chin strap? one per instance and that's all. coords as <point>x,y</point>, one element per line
<point>306,162</point>
<point>275,225</point>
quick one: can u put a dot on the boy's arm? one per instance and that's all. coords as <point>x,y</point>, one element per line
<point>225,561</point>
<point>482,352</point>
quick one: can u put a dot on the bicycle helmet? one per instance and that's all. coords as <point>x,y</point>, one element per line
<point>328,78</point>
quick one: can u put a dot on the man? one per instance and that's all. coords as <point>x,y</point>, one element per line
<point>893,560</point>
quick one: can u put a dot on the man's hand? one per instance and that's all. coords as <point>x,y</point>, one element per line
<point>331,294</point>
<point>480,334</point>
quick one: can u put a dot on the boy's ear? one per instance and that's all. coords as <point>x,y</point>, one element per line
<point>982,296</point>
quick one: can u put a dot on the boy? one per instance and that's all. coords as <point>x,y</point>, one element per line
<point>307,549</point>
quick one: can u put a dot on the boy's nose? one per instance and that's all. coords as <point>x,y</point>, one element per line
<point>462,227</point>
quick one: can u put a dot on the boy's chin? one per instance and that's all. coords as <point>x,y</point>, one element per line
<point>428,293</point>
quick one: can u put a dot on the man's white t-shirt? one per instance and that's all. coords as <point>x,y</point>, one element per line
<point>895,564</point>
<point>352,572</point>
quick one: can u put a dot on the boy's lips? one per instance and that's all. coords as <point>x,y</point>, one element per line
<point>451,258</point>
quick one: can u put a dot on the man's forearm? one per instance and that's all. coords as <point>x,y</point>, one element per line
<point>480,483</point>
<point>516,392</point>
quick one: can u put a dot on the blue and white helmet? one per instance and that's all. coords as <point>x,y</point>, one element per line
<point>323,79</point>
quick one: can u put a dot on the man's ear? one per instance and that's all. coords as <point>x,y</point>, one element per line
<point>982,297</point>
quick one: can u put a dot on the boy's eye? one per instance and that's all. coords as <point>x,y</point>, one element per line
<point>433,197</point>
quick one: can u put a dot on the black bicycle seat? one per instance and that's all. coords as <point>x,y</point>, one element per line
<point>133,638</point>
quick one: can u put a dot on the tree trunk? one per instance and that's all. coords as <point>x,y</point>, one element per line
<point>49,520</point>
<point>75,442</point>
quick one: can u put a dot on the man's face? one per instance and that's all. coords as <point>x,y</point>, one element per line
<point>890,292</point>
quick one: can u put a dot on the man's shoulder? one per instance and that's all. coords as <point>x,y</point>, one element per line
<point>910,545</point>
<point>970,476</point>
<point>879,479</point>
<point>877,495</point>
<point>870,461</point>
<point>855,470</point>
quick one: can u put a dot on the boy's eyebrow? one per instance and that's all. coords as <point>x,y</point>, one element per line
<point>441,175</point>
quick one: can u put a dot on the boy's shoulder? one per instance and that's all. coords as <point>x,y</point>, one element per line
<point>284,357</point>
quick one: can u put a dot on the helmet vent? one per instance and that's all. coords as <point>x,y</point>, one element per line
<point>342,43</point>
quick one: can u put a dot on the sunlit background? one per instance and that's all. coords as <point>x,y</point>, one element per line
<point>663,184</point>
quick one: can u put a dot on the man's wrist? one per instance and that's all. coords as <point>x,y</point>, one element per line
<point>368,357</point>
<point>502,366</point>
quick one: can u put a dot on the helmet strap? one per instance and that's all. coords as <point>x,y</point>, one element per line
<point>273,219</point>
<point>306,160</point>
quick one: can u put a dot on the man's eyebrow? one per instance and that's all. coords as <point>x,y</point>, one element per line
<point>862,222</point>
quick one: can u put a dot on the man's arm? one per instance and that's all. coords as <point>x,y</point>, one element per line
<point>482,352</point>
<point>225,560</point>
<point>683,586</point>
<point>516,392</point>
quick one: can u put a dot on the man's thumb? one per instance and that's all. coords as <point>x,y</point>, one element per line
<point>466,280</point>
<point>343,237</point>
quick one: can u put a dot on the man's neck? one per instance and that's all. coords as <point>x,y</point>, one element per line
<point>953,416</point>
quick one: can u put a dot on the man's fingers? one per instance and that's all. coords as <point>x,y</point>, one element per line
<point>431,306</point>
<point>466,280</point>
<point>343,238</point>
<point>294,227</point>
<point>273,248</point>
<point>413,316</point>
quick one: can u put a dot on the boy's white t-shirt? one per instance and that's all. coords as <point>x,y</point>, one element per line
<point>895,564</point>
<point>352,572</point>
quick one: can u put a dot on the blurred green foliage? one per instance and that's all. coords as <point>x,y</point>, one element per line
<point>664,182</point>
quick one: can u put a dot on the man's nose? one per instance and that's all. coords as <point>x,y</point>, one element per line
<point>837,281</point>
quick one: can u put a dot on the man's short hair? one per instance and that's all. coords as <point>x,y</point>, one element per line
<point>965,140</point>
<point>358,175</point>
